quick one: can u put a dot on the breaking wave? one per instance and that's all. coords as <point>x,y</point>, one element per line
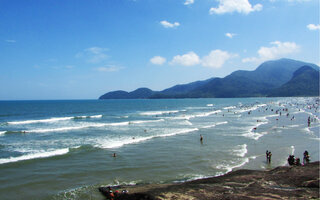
<point>90,125</point>
<point>35,156</point>
<point>241,150</point>
<point>119,142</point>
<point>151,113</point>
<point>50,120</point>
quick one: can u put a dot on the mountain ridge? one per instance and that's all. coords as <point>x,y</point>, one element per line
<point>264,81</point>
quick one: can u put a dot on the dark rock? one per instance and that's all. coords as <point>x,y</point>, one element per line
<point>294,182</point>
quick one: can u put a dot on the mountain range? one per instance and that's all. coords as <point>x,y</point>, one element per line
<point>277,78</point>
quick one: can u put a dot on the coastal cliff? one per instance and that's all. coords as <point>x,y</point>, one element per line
<point>286,182</point>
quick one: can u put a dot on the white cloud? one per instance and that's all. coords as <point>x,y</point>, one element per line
<point>158,60</point>
<point>110,68</point>
<point>230,35</point>
<point>313,27</point>
<point>230,6</point>
<point>167,24</point>
<point>278,50</point>
<point>11,41</point>
<point>187,59</point>
<point>216,58</point>
<point>93,55</point>
<point>188,2</point>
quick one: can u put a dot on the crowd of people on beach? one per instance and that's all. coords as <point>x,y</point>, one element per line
<point>113,194</point>
<point>292,160</point>
<point>296,161</point>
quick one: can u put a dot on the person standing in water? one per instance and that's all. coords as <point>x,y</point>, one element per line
<point>269,157</point>
<point>201,139</point>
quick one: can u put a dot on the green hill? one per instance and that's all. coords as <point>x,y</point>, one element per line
<point>305,82</point>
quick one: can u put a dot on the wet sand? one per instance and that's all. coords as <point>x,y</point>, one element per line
<point>286,182</point>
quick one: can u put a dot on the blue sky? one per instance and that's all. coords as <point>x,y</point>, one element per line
<point>80,49</point>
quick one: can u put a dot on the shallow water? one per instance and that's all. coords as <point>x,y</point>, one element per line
<point>63,149</point>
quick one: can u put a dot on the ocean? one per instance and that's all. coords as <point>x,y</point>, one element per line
<point>64,149</point>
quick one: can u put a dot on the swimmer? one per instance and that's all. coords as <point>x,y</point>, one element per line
<point>201,138</point>
<point>114,155</point>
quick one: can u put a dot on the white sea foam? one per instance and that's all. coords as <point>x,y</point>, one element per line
<point>2,132</point>
<point>183,131</point>
<point>51,120</point>
<point>207,113</point>
<point>253,132</point>
<point>292,150</point>
<point>209,126</point>
<point>188,117</point>
<point>151,113</point>
<point>229,107</point>
<point>145,121</point>
<point>96,116</point>
<point>308,131</point>
<point>90,125</point>
<point>191,177</point>
<point>35,156</point>
<point>213,125</point>
<point>241,150</point>
<point>252,108</point>
<point>229,167</point>
<point>254,135</point>
<point>220,123</point>
<point>41,120</point>
<point>111,143</point>
<point>209,105</point>
<point>188,122</point>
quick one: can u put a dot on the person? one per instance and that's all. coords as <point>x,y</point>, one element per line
<point>267,153</point>
<point>291,160</point>
<point>269,157</point>
<point>309,121</point>
<point>201,139</point>
<point>306,157</point>
<point>298,162</point>
<point>114,155</point>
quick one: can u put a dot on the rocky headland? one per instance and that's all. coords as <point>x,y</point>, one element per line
<point>285,182</point>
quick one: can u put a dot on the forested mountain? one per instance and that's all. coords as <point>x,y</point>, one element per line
<point>284,77</point>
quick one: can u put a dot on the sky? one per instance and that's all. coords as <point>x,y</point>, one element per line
<point>80,49</point>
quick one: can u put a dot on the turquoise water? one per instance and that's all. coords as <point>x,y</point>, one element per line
<point>63,149</point>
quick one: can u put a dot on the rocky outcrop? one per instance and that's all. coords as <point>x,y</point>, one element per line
<point>294,182</point>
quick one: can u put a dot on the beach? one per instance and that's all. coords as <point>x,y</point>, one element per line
<point>64,149</point>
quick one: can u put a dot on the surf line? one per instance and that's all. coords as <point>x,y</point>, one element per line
<point>49,120</point>
<point>35,156</point>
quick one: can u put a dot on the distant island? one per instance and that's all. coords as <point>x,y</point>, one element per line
<point>277,78</point>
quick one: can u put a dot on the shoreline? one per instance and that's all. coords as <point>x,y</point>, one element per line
<point>283,182</point>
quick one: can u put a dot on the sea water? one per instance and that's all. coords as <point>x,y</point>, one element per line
<point>63,149</point>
